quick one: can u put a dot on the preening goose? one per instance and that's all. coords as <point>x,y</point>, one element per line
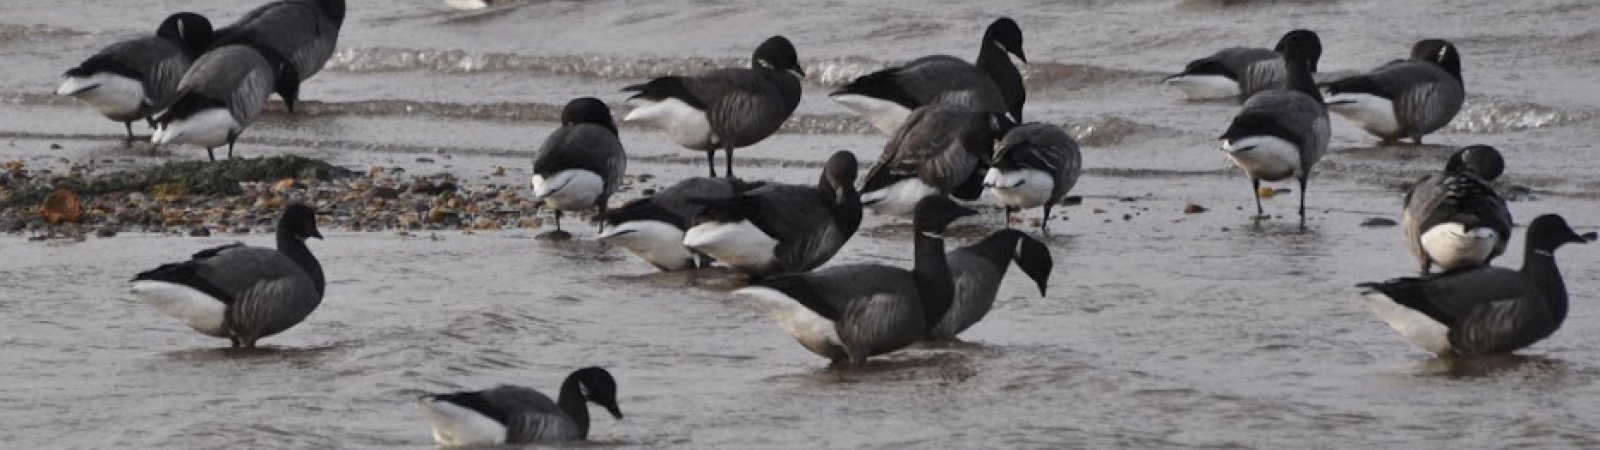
<point>1280,133</point>
<point>301,33</point>
<point>220,95</point>
<point>1455,219</point>
<point>134,79</point>
<point>978,270</point>
<point>941,150</point>
<point>1035,165</point>
<point>781,227</point>
<point>581,164</point>
<point>652,228</point>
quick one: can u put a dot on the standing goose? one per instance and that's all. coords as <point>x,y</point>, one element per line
<point>886,97</point>
<point>1404,99</point>
<point>134,79</point>
<point>1455,219</point>
<point>582,163</point>
<point>518,415</point>
<point>302,33</point>
<point>242,293</point>
<point>1484,310</point>
<point>1241,72</point>
<point>1036,165</point>
<point>782,227</point>
<point>978,270</point>
<point>220,95</point>
<point>725,108</point>
<point>938,151</point>
<point>1281,133</point>
<point>652,228</point>
<point>851,312</point>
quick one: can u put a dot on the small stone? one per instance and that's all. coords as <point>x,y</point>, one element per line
<point>105,232</point>
<point>554,236</point>
<point>384,193</point>
<point>55,146</point>
<point>1098,211</point>
<point>1193,209</point>
<point>1127,217</point>
<point>498,171</point>
<point>1378,222</point>
<point>1073,200</point>
<point>648,192</point>
<point>200,232</point>
<point>425,161</point>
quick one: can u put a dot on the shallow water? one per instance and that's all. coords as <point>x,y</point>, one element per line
<point>1160,329</point>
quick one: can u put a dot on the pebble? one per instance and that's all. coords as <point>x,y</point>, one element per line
<point>1378,222</point>
<point>1193,209</point>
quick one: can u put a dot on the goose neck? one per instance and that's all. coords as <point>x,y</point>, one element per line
<point>295,248</point>
<point>1539,266</point>
<point>934,284</point>
<point>573,402</point>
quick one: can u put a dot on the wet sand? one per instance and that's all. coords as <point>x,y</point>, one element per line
<point>1160,330</point>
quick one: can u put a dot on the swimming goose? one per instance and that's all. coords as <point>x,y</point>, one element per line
<point>302,33</point>
<point>978,270</point>
<point>886,97</point>
<point>1036,165</point>
<point>1455,219</point>
<point>135,79</point>
<point>1240,72</point>
<point>725,108</point>
<point>940,150</point>
<point>782,227</point>
<point>518,415</point>
<point>1280,133</point>
<point>220,95</point>
<point>652,228</point>
<point>1483,310</point>
<point>581,164</point>
<point>1403,99</point>
<point>242,293</point>
<point>851,312</point>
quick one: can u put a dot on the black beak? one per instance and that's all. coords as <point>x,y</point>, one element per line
<point>615,412</point>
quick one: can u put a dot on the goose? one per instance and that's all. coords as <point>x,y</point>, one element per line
<point>1482,310</point>
<point>302,33</point>
<point>1455,219</point>
<point>134,79</point>
<point>518,415</point>
<point>1036,165</point>
<point>851,312</point>
<point>652,228</point>
<point>1240,72</point>
<point>782,227</point>
<point>220,95</point>
<point>1280,133</point>
<point>581,164</point>
<point>938,151</point>
<point>725,108</point>
<point>1403,99</point>
<point>978,270</point>
<point>886,97</point>
<point>242,293</point>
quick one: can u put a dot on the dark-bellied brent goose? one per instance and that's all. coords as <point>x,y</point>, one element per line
<point>978,270</point>
<point>242,293</point>
<point>220,95</point>
<point>1240,72</point>
<point>301,33</point>
<point>850,312</point>
<point>1280,133</point>
<point>1035,165</point>
<point>581,164</point>
<point>1483,310</point>
<point>886,97</point>
<point>518,415</point>
<point>1455,219</point>
<point>652,228</point>
<point>941,150</point>
<point>1406,98</point>
<point>782,227</point>
<point>134,79</point>
<point>723,109</point>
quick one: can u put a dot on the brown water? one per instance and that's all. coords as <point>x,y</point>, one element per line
<point>1160,329</point>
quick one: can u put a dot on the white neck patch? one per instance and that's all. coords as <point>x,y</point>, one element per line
<point>933,235</point>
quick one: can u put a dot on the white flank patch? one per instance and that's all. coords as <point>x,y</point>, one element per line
<point>206,129</point>
<point>456,426</point>
<point>885,115</point>
<point>199,311</point>
<point>1202,87</point>
<point>898,199</point>
<point>1368,112</point>
<point>656,242</point>
<point>110,94</point>
<point>1417,327</point>
<point>569,190</point>
<point>740,245</point>
<point>1025,188</point>
<point>1264,157</point>
<point>1451,246</point>
<point>684,125</point>
<point>467,4</point>
<point>796,319</point>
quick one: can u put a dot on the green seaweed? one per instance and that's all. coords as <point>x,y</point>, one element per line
<point>184,177</point>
